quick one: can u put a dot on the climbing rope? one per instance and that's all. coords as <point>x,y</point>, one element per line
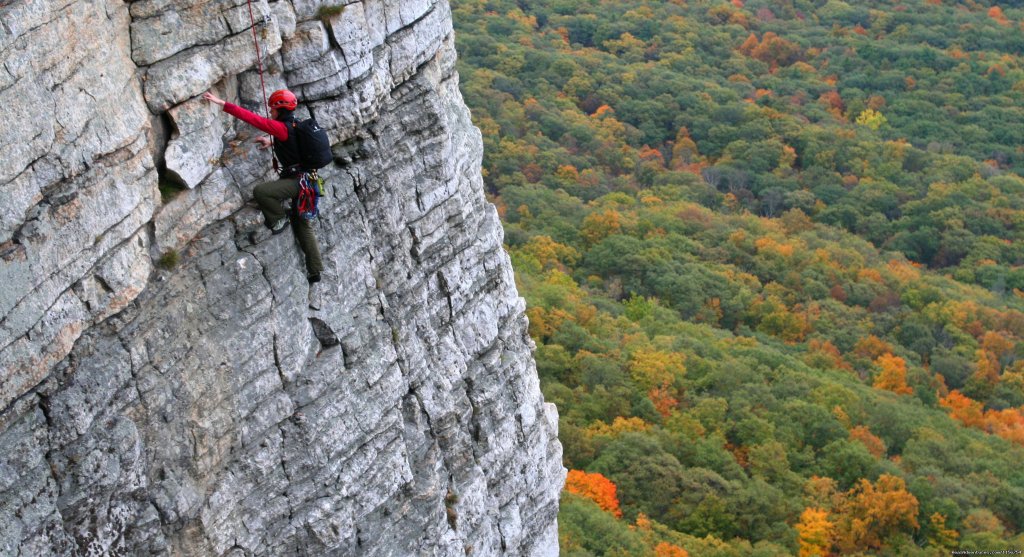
<point>259,59</point>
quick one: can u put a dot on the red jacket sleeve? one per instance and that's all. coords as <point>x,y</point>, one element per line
<point>277,129</point>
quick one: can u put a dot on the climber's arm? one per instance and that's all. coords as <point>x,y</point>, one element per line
<point>277,129</point>
<point>273,127</point>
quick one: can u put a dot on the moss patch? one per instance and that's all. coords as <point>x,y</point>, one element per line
<point>327,12</point>
<point>168,260</point>
<point>169,190</point>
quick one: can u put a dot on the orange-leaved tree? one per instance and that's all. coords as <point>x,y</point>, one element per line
<point>595,487</point>
<point>874,444</point>
<point>824,354</point>
<point>665,549</point>
<point>995,349</point>
<point>664,399</point>
<point>1007,423</point>
<point>871,347</point>
<point>963,409</point>
<point>996,13</point>
<point>772,50</point>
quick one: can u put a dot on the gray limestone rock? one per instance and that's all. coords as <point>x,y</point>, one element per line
<point>403,13</point>
<point>196,404</point>
<point>193,71</point>
<point>67,241</point>
<point>185,216</point>
<point>160,30</point>
<point>376,22</point>
<point>308,44</point>
<point>285,15</point>
<point>329,69</point>
<point>192,155</point>
<point>351,33</point>
<point>61,98</point>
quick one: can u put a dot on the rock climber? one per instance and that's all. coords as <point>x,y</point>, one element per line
<point>270,195</point>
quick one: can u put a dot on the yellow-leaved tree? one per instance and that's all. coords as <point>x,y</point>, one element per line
<point>874,512</point>
<point>893,376</point>
<point>815,531</point>
<point>872,119</point>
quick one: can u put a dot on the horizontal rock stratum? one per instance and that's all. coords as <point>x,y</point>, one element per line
<point>164,388</point>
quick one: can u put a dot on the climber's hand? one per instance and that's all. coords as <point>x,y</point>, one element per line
<point>265,141</point>
<point>213,98</point>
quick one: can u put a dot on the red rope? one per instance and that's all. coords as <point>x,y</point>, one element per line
<point>259,60</point>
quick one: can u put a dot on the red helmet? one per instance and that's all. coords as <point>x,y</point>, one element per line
<point>283,99</point>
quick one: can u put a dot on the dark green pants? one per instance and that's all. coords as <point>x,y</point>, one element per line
<point>269,196</point>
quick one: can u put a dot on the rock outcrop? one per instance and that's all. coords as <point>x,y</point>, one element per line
<point>164,386</point>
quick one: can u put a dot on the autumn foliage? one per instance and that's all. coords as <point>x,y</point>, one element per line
<point>872,347</point>
<point>942,536</point>
<point>861,519</point>
<point>656,368</point>
<point>685,155</point>
<point>771,49</point>
<point>996,13</point>
<point>893,374</point>
<point>752,256</point>
<point>873,512</point>
<point>816,532</point>
<point>595,487</point>
<point>665,549</point>
<point>1007,423</point>
<point>963,409</point>
<point>598,226</point>
<point>872,442</point>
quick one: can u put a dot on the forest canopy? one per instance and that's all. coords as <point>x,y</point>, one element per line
<point>772,255</point>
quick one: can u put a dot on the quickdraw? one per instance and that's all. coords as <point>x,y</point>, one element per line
<point>311,189</point>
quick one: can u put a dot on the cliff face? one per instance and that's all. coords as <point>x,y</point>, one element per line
<point>203,408</point>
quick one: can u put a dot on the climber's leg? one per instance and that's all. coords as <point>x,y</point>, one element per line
<point>269,196</point>
<point>303,230</point>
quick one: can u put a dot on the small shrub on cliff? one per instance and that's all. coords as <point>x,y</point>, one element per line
<point>168,260</point>
<point>327,12</point>
<point>168,190</point>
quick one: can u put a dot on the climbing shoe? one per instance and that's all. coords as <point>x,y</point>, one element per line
<point>315,296</point>
<point>279,226</point>
<point>313,277</point>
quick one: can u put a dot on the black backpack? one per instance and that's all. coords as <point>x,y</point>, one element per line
<point>314,145</point>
